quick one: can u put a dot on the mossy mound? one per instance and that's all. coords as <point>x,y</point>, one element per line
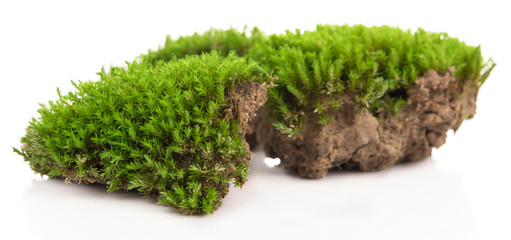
<point>159,129</point>
<point>364,98</point>
<point>173,124</point>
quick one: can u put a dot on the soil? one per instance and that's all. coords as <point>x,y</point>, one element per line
<point>246,100</point>
<point>355,139</point>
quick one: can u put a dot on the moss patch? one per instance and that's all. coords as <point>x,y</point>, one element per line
<point>159,129</point>
<point>314,69</point>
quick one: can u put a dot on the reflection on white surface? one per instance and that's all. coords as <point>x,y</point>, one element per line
<point>271,162</point>
<point>412,201</point>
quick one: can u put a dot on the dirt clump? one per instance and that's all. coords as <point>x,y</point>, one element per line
<point>355,139</point>
<point>246,100</point>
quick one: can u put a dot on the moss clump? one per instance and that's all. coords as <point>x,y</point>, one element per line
<point>159,129</point>
<point>313,69</point>
<point>168,125</point>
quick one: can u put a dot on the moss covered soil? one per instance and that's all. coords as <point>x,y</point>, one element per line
<point>166,124</point>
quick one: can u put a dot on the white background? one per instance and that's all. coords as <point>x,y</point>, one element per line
<point>462,192</point>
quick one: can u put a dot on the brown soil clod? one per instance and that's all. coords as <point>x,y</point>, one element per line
<point>246,100</point>
<point>355,139</point>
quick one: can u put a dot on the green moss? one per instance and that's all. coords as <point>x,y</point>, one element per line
<point>159,129</point>
<point>158,126</point>
<point>222,41</point>
<point>314,69</point>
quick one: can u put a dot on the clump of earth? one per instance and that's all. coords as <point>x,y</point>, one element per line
<point>356,139</point>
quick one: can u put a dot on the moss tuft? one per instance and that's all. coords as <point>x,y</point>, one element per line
<point>159,129</point>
